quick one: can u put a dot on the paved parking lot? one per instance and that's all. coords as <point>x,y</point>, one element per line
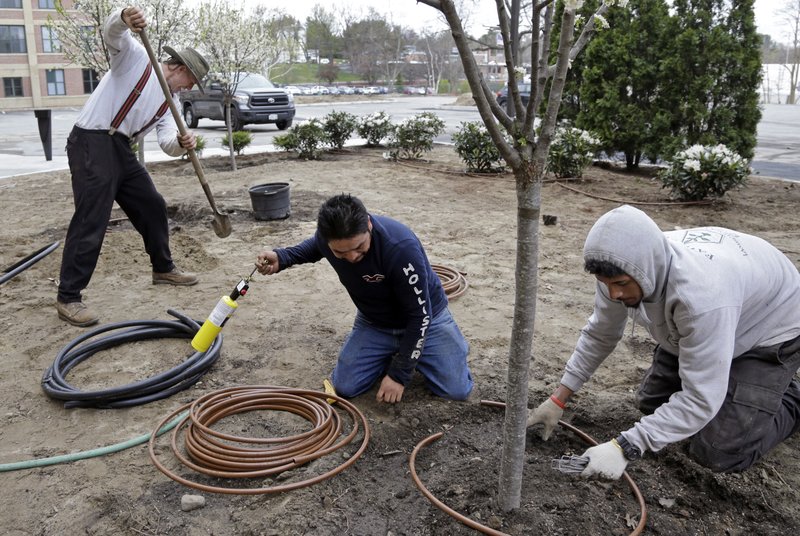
<point>21,152</point>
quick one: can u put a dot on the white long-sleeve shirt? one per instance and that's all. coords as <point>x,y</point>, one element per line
<point>709,295</point>
<point>129,59</point>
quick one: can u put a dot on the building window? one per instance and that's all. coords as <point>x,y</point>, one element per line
<point>55,82</point>
<point>47,4</point>
<point>50,42</point>
<point>13,86</point>
<point>12,39</point>
<point>10,4</point>
<point>90,80</point>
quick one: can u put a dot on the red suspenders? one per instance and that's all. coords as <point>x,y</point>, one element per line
<point>132,98</point>
<point>128,104</point>
<point>161,111</point>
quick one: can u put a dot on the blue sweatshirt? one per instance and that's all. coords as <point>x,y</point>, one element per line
<point>393,286</point>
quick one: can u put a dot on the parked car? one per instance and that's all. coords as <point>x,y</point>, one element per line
<point>524,94</point>
<point>414,90</point>
<point>294,90</point>
<point>256,100</point>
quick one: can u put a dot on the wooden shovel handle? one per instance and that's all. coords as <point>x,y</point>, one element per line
<point>178,120</point>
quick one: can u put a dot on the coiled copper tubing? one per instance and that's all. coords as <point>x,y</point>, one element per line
<point>222,455</point>
<point>454,282</point>
<point>488,530</point>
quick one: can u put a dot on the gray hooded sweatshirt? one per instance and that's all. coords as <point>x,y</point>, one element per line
<point>709,295</point>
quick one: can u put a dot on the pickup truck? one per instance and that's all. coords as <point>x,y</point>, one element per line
<point>255,101</point>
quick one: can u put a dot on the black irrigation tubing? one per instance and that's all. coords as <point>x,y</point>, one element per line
<point>156,387</point>
<point>27,262</point>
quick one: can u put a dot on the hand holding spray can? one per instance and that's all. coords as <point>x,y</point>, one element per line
<point>219,316</point>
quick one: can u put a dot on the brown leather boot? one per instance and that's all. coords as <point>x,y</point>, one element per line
<point>76,313</point>
<point>174,277</point>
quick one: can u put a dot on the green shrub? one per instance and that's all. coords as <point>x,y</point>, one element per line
<point>241,139</point>
<point>571,151</point>
<point>308,139</point>
<point>476,148</point>
<point>415,136</point>
<point>200,144</point>
<point>338,127</point>
<point>375,127</point>
<point>444,87</point>
<point>703,171</point>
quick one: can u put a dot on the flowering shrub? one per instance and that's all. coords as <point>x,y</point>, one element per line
<point>704,171</point>
<point>375,127</point>
<point>571,151</point>
<point>339,126</point>
<point>414,136</point>
<point>307,139</point>
<point>241,139</point>
<point>476,148</point>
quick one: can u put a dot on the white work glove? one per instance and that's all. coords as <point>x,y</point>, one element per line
<point>548,413</point>
<point>605,460</point>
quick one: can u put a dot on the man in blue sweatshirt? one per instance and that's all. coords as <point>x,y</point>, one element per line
<point>724,310</point>
<point>402,322</point>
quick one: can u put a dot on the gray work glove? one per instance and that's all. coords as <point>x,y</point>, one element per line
<point>548,413</point>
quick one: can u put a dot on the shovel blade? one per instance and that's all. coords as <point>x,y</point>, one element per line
<point>222,225</point>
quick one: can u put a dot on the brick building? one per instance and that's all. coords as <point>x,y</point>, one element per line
<point>34,73</point>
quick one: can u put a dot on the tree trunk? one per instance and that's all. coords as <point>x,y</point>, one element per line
<point>792,97</point>
<point>230,133</point>
<point>529,187</point>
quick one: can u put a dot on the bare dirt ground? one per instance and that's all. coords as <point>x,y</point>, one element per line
<point>288,330</point>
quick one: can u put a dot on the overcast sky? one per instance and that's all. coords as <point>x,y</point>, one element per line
<point>483,13</point>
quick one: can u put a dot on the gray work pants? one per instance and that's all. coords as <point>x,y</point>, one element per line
<point>761,408</point>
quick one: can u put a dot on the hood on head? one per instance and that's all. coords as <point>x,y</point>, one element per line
<point>627,238</point>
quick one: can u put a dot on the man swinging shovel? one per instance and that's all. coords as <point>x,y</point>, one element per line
<point>127,104</point>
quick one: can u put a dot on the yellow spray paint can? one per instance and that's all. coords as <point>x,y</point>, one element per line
<point>224,309</point>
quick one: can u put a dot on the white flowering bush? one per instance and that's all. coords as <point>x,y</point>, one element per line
<point>703,171</point>
<point>571,152</point>
<point>414,136</point>
<point>476,148</point>
<point>375,127</point>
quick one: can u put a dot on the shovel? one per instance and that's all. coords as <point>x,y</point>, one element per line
<point>222,222</point>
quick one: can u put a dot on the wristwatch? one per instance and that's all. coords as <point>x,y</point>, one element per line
<point>630,452</point>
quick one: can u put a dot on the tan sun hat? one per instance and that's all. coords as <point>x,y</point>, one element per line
<point>193,61</point>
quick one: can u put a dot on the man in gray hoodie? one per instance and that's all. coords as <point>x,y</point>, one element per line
<point>724,310</point>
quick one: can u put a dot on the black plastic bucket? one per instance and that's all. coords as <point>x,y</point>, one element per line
<point>270,201</point>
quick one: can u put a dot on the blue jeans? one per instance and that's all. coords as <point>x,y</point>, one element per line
<point>368,351</point>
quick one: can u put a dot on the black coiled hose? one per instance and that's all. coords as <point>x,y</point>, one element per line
<point>154,388</point>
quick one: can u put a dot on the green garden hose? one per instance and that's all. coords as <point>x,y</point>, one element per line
<point>64,458</point>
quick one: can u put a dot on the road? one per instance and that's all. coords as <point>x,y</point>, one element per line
<point>21,150</point>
